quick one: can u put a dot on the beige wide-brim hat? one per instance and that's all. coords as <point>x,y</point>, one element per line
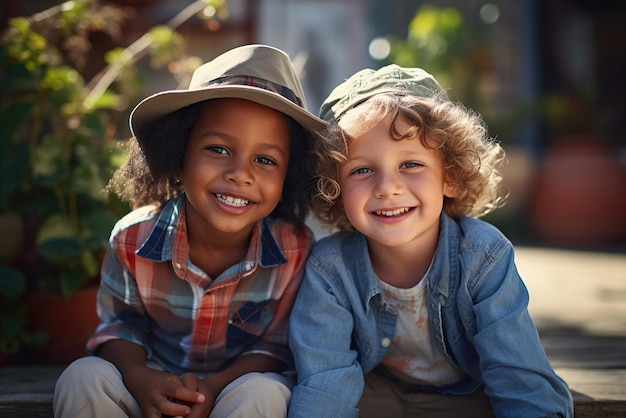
<point>258,73</point>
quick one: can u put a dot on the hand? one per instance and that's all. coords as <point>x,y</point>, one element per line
<point>159,393</point>
<point>208,388</point>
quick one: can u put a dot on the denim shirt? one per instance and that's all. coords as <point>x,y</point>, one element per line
<point>341,326</point>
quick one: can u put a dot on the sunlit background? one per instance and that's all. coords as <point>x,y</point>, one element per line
<point>548,77</point>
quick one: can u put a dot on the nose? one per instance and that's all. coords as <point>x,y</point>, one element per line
<point>240,172</point>
<point>388,184</point>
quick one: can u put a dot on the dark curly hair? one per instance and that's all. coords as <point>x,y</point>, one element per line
<point>148,176</point>
<point>471,159</point>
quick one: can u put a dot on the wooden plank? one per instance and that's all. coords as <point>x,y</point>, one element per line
<point>597,409</point>
<point>595,384</point>
<point>27,410</point>
<point>31,380</point>
<point>26,391</point>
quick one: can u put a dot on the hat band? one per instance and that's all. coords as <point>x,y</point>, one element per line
<point>246,80</point>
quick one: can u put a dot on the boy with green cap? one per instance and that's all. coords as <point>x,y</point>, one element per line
<point>415,307</point>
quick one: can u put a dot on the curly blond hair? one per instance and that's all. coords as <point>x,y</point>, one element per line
<point>471,159</point>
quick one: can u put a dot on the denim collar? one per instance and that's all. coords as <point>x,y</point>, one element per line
<point>442,270</point>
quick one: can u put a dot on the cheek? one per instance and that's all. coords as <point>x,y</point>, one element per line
<point>274,186</point>
<point>353,199</point>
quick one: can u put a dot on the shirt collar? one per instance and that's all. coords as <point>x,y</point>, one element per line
<point>160,242</point>
<point>443,266</point>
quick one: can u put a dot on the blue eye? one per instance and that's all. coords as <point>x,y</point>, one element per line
<point>362,170</point>
<point>410,164</point>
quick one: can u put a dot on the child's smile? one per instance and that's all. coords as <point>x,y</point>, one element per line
<point>392,215</point>
<point>231,201</point>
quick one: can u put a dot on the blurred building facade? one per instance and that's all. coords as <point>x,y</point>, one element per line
<point>550,74</point>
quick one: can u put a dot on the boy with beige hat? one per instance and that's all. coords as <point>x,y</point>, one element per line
<point>199,279</point>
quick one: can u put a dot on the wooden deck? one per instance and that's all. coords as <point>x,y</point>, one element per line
<point>578,301</point>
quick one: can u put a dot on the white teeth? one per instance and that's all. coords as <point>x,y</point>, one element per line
<point>391,212</point>
<point>231,201</point>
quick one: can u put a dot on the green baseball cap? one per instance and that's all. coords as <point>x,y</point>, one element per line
<point>367,83</point>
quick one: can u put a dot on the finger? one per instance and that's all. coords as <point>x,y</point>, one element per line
<point>174,408</point>
<point>185,394</point>
<point>190,381</point>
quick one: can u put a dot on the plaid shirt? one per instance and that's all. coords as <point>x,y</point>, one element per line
<point>152,295</point>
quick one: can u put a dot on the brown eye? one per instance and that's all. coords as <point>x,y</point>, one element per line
<point>265,161</point>
<point>217,149</point>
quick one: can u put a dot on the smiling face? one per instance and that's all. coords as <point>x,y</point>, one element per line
<point>393,190</point>
<point>234,166</point>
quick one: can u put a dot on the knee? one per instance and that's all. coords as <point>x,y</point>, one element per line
<point>84,372</point>
<point>270,384</point>
<point>265,386</point>
<point>254,394</point>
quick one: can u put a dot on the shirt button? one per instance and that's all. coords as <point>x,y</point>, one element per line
<point>177,265</point>
<point>385,342</point>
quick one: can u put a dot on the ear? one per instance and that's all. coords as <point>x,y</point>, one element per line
<point>450,190</point>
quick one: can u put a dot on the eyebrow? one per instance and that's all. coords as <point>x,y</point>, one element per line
<point>265,146</point>
<point>273,147</point>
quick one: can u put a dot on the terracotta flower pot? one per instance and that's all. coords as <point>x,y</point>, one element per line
<point>579,198</point>
<point>69,322</point>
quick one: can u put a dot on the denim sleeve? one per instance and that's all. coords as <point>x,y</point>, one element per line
<point>330,379</point>
<point>518,378</point>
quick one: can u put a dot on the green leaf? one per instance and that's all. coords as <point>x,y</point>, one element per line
<point>70,281</point>
<point>110,100</point>
<point>65,82</point>
<point>56,227</point>
<point>48,162</point>
<point>119,56</point>
<point>13,167</point>
<point>12,282</point>
<point>59,251</point>
<point>13,322</point>
<point>57,240</point>
<point>86,179</point>
<point>96,226</point>
<point>35,338</point>
<point>90,263</point>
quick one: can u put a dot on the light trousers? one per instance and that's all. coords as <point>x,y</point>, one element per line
<point>92,387</point>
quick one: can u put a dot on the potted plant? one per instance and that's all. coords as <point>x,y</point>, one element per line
<point>59,148</point>
<point>579,196</point>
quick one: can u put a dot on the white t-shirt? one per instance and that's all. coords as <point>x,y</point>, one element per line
<point>414,353</point>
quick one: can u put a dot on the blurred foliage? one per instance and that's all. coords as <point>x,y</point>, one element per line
<point>58,145</point>
<point>438,41</point>
<point>56,155</point>
<point>13,333</point>
<point>456,51</point>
